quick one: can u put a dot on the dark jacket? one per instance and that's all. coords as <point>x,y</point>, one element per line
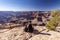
<point>30,28</point>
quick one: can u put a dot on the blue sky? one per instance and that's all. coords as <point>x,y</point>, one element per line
<point>29,5</point>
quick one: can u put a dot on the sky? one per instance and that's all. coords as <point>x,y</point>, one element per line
<point>29,5</point>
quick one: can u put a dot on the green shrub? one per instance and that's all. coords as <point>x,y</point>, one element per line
<point>53,23</point>
<point>55,13</point>
<point>50,25</point>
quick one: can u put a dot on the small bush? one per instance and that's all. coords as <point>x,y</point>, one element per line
<point>53,23</point>
<point>50,25</point>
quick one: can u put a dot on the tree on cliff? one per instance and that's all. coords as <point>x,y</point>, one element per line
<point>54,21</point>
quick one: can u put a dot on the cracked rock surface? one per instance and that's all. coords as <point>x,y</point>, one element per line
<point>19,34</point>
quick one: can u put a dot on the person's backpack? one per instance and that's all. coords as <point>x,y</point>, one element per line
<point>26,29</point>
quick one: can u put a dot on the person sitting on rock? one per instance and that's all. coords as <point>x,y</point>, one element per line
<point>30,28</point>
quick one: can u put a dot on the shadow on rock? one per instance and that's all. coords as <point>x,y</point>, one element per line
<point>37,32</point>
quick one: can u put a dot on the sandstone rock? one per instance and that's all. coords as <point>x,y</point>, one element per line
<point>53,36</point>
<point>15,34</point>
<point>19,34</point>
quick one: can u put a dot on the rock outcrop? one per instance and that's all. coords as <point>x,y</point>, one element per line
<point>19,34</point>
